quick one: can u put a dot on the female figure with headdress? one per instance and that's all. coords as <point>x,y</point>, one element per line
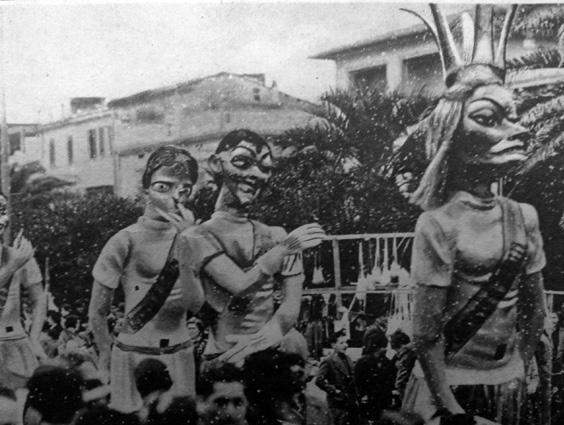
<point>477,257</point>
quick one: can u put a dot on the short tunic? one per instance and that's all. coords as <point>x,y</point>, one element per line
<point>17,361</point>
<point>458,246</point>
<point>244,241</point>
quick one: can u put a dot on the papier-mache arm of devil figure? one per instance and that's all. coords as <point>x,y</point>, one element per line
<point>473,132</point>
<point>230,276</point>
<point>23,252</point>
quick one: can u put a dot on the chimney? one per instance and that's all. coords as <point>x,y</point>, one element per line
<point>81,104</point>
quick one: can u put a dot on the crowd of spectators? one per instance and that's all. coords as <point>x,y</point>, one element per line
<point>272,387</point>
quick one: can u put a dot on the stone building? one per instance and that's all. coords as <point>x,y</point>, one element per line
<point>407,60</point>
<point>105,147</point>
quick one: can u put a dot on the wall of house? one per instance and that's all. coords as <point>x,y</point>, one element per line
<point>410,54</point>
<point>90,164</point>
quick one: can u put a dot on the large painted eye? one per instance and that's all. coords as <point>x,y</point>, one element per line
<point>161,187</point>
<point>186,190</point>
<point>242,162</point>
<point>486,119</point>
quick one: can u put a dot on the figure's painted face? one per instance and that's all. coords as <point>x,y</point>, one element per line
<point>227,405</point>
<point>247,168</point>
<point>167,190</point>
<point>4,218</point>
<point>490,134</point>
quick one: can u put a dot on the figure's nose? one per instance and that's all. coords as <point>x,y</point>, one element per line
<point>519,132</point>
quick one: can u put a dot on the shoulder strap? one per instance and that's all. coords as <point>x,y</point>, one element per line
<point>155,297</point>
<point>467,321</point>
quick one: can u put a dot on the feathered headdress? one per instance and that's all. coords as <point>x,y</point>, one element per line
<point>479,64</point>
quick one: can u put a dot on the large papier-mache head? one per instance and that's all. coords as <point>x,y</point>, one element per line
<point>475,119</point>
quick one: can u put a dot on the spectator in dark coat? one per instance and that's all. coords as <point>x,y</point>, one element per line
<point>404,361</point>
<point>375,375</point>
<point>336,378</point>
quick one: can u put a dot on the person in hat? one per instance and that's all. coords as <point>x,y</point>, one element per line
<point>477,257</point>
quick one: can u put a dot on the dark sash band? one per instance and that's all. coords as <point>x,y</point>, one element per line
<point>467,321</point>
<point>155,297</point>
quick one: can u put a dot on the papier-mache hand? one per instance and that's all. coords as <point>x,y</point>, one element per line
<point>182,221</point>
<point>270,335</point>
<point>304,237</point>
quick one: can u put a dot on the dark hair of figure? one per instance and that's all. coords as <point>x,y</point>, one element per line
<point>233,138</point>
<point>170,156</point>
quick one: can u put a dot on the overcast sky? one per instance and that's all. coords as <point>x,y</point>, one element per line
<point>55,51</point>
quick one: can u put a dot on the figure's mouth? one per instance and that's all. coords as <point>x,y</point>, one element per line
<point>248,187</point>
<point>508,147</point>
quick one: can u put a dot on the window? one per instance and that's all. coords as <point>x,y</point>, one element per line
<point>110,133</point>
<point>52,153</point>
<point>423,75</point>
<point>256,94</point>
<point>70,150</point>
<point>92,143</point>
<point>102,150</point>
<point>371,78</point>
<point>227,117</point>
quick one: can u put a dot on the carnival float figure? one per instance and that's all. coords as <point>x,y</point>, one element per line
<point>477,257</point>
<point>241,261</point>
<point>158,294</point>
<point>19,276</point>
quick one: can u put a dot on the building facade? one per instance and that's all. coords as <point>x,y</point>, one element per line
<point>406,60</point>
<point>105,147</point>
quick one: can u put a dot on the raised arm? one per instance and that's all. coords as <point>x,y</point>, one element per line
<point>23,252</point>
<point>229,275</point>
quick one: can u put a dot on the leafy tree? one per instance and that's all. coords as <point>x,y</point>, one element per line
<point>71,230</point>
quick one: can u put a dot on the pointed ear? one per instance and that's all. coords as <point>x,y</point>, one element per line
<point>214,163</point>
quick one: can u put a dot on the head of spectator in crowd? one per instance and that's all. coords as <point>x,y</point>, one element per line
<point>72,323</point>
<point>375,340</point>
<point>179,411</point>
<point>152,376</point>
<point>398,339</point>
<point>263,368</point>
<point>53,318</point>
<point>8,407</point>
<point>195,328</point>
<point>54,396</point>
<point>339,342</point>
<point>221,396</point>
<point>168,181</point>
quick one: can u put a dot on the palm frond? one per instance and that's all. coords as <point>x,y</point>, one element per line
<point>540,20</point>
<point>543,153</point>
<point>541,58</point>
